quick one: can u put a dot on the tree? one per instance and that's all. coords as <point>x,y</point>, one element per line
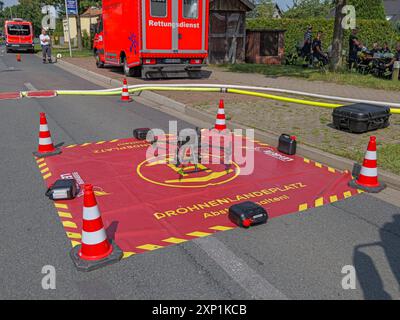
<point>397,26</point>
<point>30,10</point>
<point>371,9</point>
<point>83,6</point>
<point>303,9</point>
<point>337,43</point>
<point>263,9</point>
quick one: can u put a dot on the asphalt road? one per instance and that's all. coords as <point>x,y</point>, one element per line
<point>299,256</point>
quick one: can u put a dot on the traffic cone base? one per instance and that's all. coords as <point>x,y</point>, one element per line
<point>126,100</point>
<point>354,184</point>
<point>87,265</point>
<point>47,154</point>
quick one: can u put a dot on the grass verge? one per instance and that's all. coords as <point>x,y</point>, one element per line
<point>344,77</point>
<point>65,52</point>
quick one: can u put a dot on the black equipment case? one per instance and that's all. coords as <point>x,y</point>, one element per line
<point>247,214</point>
<point>360,118</point>
<point>287,144</point>
<point>141,133</point>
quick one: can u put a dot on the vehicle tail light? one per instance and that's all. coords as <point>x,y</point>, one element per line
<point>149,61</point>
<point>196,61</point>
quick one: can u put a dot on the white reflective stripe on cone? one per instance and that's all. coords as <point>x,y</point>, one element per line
<point>371,155</point>
<point>44,128</point>
<point>45,141</point>
<point>221,111</point>
<point>91,213</point>
<point>92,238</point>
<point>369,172</point>
<point>220,121</point>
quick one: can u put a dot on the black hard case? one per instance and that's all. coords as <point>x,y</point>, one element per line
<point>247,210</point>
<point>360,118</point>
<point>141,133</point>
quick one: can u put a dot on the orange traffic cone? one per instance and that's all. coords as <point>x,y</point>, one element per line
<point>96,250</point>
<point>220,123</point>
<point>368,177</point>
<point>46,147</point>
<point>125,92</point>
<point>18,56</point>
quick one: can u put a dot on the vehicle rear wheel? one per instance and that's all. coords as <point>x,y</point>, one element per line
<point>99,63</point>
<point>129,72</point>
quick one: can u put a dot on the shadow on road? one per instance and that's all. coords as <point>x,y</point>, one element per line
<point>368,275</point>
<point>205,74</point>
<point>112,230</point>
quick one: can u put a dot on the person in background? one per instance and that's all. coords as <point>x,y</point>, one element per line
<point>396,57</point>
<point>375,49</point>
<point>306,50</point>
<point>354,47</point>
<point>318,53</point>
<point>385,48</point>
<point>45,44</point>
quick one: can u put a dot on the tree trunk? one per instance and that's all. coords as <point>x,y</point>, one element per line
<point>337,43</point>
<point>79,32</point>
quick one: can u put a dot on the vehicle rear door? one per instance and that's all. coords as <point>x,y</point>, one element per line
<point>157,26</point>
<point>191,32</point>
<point>12,33</point>
<point>26,33</point>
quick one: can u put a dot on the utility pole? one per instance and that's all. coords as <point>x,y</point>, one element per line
<point>69,29</point>
<point>78,27</point>
<point>337,44</point>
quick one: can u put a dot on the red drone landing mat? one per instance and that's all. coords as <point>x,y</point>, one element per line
<point>148,205</point>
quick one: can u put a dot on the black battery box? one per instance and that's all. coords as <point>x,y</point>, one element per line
<point>141,133</point>
<point>361,118</point>
<point>287,144</point>
<point>64,189</point>
<point>247,214</point>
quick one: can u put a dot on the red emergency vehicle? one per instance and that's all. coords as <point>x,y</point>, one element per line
<point>18,35</point>
<point>153,38</point>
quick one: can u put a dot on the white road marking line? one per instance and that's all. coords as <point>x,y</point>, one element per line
<point>30,86</point>
<point>239,271</point>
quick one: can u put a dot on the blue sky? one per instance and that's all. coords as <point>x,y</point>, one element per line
<point>9,2</point>
<point>282,3</point>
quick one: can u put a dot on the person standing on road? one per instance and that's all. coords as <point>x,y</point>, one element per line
<point>45,44</point>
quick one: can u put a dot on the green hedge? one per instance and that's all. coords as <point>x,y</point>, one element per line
<point>370,30</point>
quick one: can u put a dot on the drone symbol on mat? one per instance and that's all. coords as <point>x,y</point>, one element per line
<point>188,162</point>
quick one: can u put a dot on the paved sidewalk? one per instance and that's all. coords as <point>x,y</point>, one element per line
<point>224,77</point>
